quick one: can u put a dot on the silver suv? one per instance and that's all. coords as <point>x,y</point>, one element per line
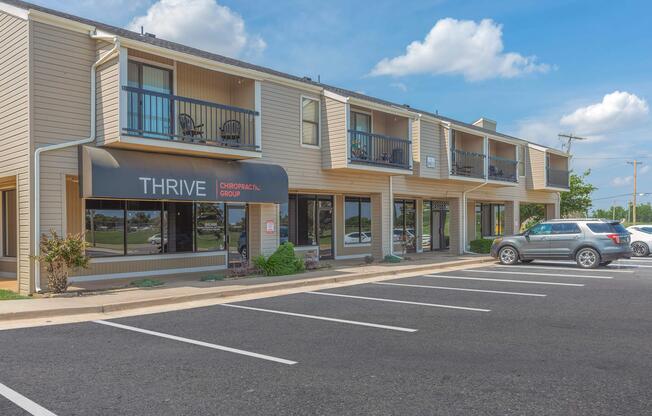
<point>590,242</point>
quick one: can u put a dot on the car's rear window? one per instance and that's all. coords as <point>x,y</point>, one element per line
<point>605,227</point>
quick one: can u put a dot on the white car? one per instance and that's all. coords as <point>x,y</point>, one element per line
<point>641,239</point>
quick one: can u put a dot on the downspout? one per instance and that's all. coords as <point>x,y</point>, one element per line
<point>58,146</point>
<point>465,215</point>
<point>391,216</point>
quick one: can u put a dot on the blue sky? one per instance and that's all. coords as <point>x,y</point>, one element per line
<point>564,66</point>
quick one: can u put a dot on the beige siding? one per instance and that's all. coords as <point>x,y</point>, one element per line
<point>260,241</point>
<point>334,134</point>
<point>207,85</point>
<point>536,168</point>
<point>427,140</point>
<point>15,129</point>
<point>444,152</point>
<point>108,92</point>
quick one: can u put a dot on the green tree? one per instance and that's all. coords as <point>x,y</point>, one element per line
<point>577,201</point>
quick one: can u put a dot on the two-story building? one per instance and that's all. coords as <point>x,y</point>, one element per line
<point>173,160</point>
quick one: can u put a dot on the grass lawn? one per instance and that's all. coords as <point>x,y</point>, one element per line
<point>9,295</point>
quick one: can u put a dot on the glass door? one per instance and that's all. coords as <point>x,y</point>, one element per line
<point>236,234</point>
<point>325,227</point>
<point>426,229</point>
<point>151,112</point>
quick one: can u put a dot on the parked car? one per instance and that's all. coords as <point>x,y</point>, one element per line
<point>641,239</point>
<point>590,242</point>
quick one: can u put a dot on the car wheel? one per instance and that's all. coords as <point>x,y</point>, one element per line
<point>527,261</point>
<point>588,258</point>
<point>243,252</point>
<point>640,249</point>
<point>508,255</point>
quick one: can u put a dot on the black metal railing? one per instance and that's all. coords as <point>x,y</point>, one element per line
<point>502,169</point>
<point>557,178</point>
<point>158,115</point>
<point>468,164</point>
<point>379,150</point>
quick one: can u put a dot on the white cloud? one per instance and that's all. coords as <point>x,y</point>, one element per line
<point>474,50</point>
<point>616,110</point>
<point>622,180</point>
<point>399,86</point>
<point>203,24</point>
<point>645,169</point>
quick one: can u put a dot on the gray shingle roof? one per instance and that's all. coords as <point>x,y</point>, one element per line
<point>177,47</point>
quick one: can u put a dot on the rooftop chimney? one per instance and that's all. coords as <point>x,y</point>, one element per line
<point>486,123</point>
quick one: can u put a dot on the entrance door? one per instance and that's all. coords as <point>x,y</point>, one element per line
<point>436,225</point>
<point>236,234</point>
<point>325,227</point>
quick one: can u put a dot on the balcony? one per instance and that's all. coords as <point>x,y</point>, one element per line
<point>557,172</point>
<point>467,164</point>
<point>379,150</point>
<point>557,178</point>
<point>503,166</point>
<point>501,169</point>
<point>155,115</point>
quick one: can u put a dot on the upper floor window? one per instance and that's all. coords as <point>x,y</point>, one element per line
<point>521,160</point>
<point>361,122</point>
<point>309,121</point>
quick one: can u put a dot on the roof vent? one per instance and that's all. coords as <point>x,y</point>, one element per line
<point>307,78</point>
<point>146,34</point>
<point>486,123</point>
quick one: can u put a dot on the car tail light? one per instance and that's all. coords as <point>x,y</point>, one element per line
<point>614,237</point>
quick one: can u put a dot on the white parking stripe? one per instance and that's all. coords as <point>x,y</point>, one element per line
<point>23,402</point>
<point>323,318</point>
<point>607,270</point>
<point>195,342</point>
<point>486,279</point>
<point>460,289</point>
<point>435,305</point>
<point>588,276</point>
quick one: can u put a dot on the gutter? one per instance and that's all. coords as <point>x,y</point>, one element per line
<point>58,146</point>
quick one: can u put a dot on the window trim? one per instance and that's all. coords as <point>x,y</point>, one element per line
<point>359,200</point>
<point>521,162</point>
<point>301,121</point>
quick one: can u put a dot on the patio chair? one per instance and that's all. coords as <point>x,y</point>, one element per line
<point>188,128</point>
<point>230,132</point>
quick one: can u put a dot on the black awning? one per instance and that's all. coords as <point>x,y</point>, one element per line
<point>128,174</point>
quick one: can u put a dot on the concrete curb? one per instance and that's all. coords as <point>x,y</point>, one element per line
<point>214,293</point>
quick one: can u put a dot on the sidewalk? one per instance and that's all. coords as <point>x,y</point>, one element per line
<point>176,291</point>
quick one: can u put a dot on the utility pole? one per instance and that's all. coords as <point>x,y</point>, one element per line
<point>613,211</point>
<point>570,137</point>
<point>635,163</point>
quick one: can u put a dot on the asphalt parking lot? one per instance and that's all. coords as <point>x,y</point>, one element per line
<point>546,338</point>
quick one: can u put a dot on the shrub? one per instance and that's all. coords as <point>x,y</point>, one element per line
<point>390,258</point>
<point>282,262</point>
<point>146,283</point>
<point>369,259</point>
<point>212,278</point>
<point>60,255</point>
<point>481,245</point>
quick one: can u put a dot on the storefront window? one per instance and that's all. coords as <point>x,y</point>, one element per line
<point>306,235</point>
<point>105,228</point>
<point>284,224</point>
<point>210,226</point>
<point>144,228</point>
<point>490,220</point>
<point>357,220</point>
<point>405,224</point>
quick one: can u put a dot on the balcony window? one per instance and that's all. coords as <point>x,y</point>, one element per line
<point>309,121</point>
<point>357,220</point>
<point>361,122</point>
<point>150,114</point>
